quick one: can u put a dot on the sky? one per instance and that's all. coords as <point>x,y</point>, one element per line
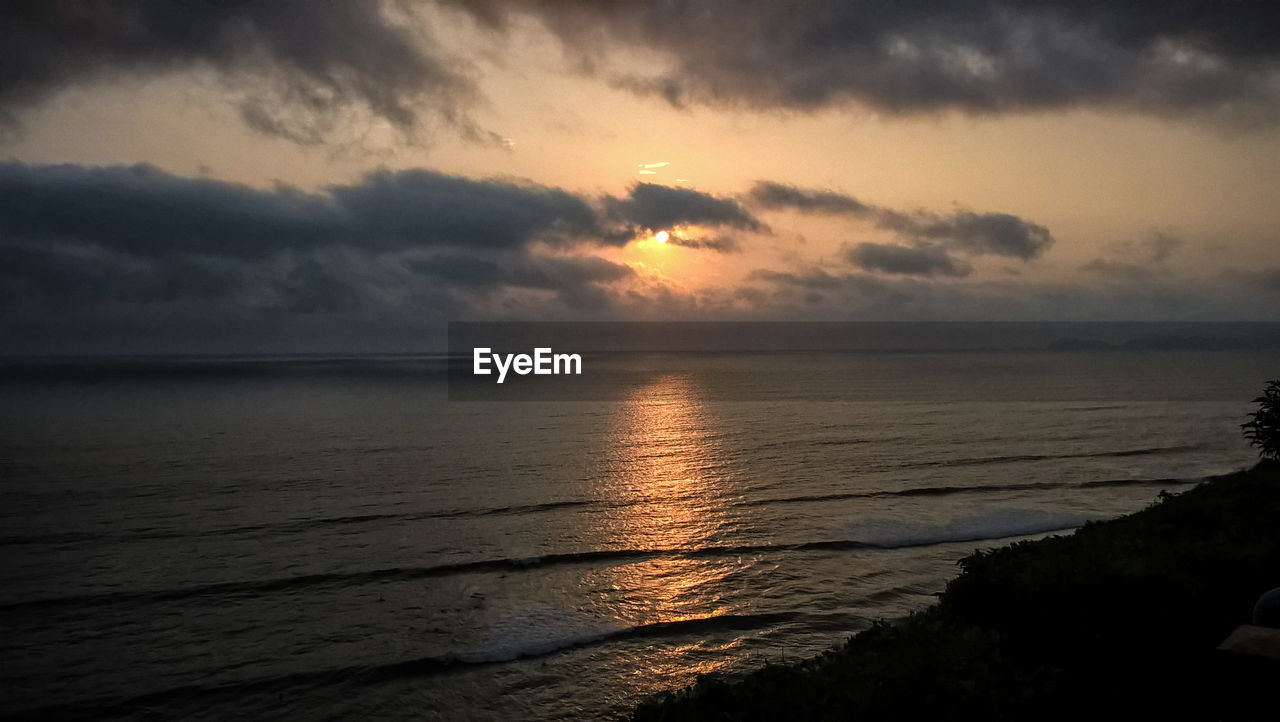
<point>347,176</point>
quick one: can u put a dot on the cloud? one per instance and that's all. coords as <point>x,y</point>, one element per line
<point>131,258</point>
<point>307,76</point>
<point>144,211</point>
<point>999,234</point>
<point>63,277</point>
<point>816,279</point>
<point>561,271</point>
<point>723,244</point>
<point>135,247</point>
<point>872,297</point>
<point>421,207</point>
<point>777,196</point>
<point>1160,246</point>
<point>576,280</point>
<point>460,269</point>
<point>123,243</point>
<point>1136,259</point>
<point>1197,59</point>
<point>906,260</point>
<point>653,207</point>
<point>296,73</point>
<point>1154,248</point>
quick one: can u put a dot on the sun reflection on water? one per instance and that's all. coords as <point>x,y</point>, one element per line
<point>668,487</point>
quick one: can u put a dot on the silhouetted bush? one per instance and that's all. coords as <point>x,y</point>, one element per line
<point>1263,428</point>
<point>1119,620</point>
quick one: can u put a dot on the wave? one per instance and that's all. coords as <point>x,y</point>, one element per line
<point>279,584</point>
<point>1138,482</point>
<point>559,637</point>
<point>249,588</point>
<point>293,526</point>
<point>1015,458</point>
<point>1001,523</point>
<point>535,633</point>
<point>283,527</point>
<point>966,489</point>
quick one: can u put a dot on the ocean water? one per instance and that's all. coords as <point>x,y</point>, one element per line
<point>333,539</point>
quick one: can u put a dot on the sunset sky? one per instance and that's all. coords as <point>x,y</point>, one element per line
<point>344,176</point>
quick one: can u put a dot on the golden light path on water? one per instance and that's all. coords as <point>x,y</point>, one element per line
<point>669,483</point>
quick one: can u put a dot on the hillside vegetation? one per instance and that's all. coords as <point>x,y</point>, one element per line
<point>1121,617</point>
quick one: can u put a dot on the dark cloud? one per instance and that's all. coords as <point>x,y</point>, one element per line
<point>123,246</point>
<point>297,68</point>
<point>420,207</point>
<point>1160,246</point>
<point>906,260</point>
<point>312,286</point>
<point>816,279</point>
<point>459,269</point>
<point>559,272</point>
<point>524,271</point>
<point>1135,259</point>
<point>915,56</point>
<point>999,234</point>
<point>586,297</point>
<point>146,212</point>
<point>577,281</point>
<point>653,207</point>
<point>777,196</point>
<point>66,279</point>
<point>122,257</point>
<point>304,70</point>
<point>1154,248</point>
<point>62,277</point>
<point>723,244</point>
<point>866,296</point>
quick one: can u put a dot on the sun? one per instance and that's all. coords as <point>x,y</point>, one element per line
<point>661,236</point>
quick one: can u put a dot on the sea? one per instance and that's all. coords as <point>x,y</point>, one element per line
<point>331,537</point>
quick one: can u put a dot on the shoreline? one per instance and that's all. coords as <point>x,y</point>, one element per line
<point>1123,615</point>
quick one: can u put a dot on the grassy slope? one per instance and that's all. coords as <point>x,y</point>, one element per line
<point>1120,617</point>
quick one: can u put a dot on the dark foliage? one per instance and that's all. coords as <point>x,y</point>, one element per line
<point>1120,619</point>
<point>1263,427</point>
